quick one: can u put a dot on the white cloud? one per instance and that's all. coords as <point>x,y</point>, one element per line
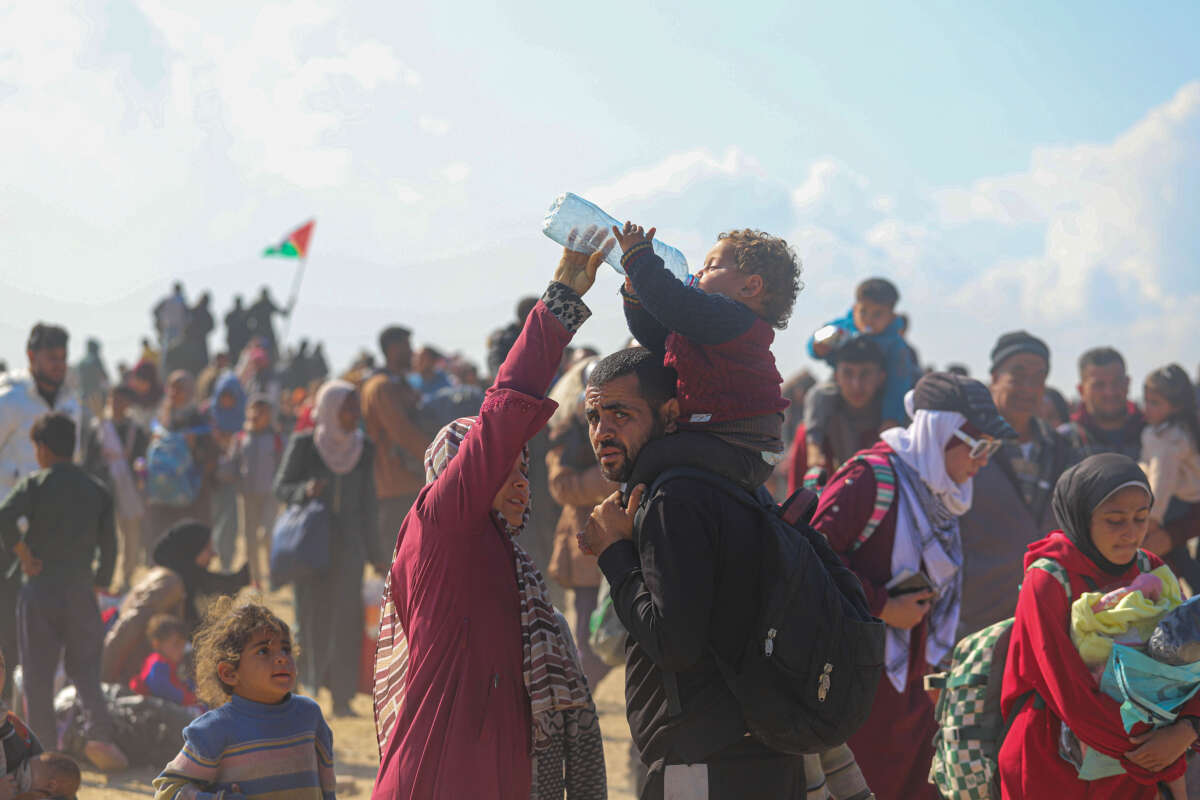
<point>1094,243</point>
<point>408,195</point>
<point>456,172</point>
<point>433,125</point>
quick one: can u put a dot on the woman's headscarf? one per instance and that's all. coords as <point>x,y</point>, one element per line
<point>339,449</point>
<point>177,551</point>
<point>922,446</point>
<point>145,370</point>
<point>229,420</point>
<point>552,678</point>
<point>169,415</point>
<point>1082,488</point>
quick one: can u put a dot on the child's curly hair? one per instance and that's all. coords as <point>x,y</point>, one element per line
<point>759,253</point>
<point>227,629</point>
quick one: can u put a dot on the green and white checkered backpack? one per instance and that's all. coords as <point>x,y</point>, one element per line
<point>966,748</point>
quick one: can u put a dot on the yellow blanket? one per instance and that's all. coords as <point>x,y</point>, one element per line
<point>1093,632</point>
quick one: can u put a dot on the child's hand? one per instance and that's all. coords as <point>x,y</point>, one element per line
<point>581,258</point>
<point>632,234</point>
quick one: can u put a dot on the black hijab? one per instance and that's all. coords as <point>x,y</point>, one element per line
<point>177,551</point>
<point>1084,487</point>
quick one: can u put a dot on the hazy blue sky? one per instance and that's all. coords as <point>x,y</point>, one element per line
<point>1031,165</point>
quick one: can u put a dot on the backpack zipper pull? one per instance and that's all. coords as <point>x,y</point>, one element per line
<point>769,645</point>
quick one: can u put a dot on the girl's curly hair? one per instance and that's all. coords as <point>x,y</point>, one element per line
<point>759,253</point>
<point>228,627</point>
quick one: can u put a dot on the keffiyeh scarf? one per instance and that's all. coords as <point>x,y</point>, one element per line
<point>552,678</point>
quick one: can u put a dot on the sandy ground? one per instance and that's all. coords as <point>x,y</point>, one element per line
<point>355,752</point>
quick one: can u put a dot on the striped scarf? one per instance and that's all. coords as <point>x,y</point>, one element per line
<point>552,679</point>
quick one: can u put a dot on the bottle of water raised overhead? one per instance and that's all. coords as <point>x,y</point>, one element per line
<point>571,211</point>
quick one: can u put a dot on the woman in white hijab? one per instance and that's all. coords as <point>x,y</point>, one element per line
<point>892,513</point>
<point>333,465</point>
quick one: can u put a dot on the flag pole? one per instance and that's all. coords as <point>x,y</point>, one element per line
<point>293,297</point>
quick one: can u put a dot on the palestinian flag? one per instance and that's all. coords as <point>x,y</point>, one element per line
<point>296,243</point>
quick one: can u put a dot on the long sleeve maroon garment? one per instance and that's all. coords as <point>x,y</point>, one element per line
<point>1041,658</point>
<point>894,747</point>
<point>464,728</point>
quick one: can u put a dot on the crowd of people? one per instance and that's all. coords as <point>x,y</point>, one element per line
<point>957,506</point>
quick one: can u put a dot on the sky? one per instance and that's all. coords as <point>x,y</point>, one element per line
<point>1027,166</point>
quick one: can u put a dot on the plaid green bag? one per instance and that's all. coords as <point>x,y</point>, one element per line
<point>966,748</point>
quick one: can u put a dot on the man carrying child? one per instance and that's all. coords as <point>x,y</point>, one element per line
<point>54,521</point>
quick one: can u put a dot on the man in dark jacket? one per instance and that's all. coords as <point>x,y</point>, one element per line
<point>685,584</point>
<point>1011,506</point>
<point>1107,422</point>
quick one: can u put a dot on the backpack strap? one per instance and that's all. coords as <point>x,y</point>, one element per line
<point>885,494</point>
<point>1057,570</point>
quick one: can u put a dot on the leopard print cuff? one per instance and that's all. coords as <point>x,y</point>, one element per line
<point>567,306</point>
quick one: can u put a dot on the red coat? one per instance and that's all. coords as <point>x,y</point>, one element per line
<point>464,727</point>
<point>1042,658</point>
<point>894,748</point>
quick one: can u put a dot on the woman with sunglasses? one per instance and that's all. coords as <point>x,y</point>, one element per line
<point>892,513</point>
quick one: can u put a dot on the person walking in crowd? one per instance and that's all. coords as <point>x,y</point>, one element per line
<point>192,352</point>
<point>428,377</point>
<point>1055,410</point>
<point>92,379</point>
<point>175,585</point>
<point>578,486</point>
<point>227,410</point>
<point>874,314</point>
<point>683,586</point>
<point>333,465</point>
<point>389,404</point>
<point>147,393</point>
<point>24,397</point>
<point>892,512</point>
<point>501,340</point>
<point>206,381</point>
<point>1011,506</point>
<point>260,320</point>
<point>181,459</point>
<point>257,454</point>
<point>56,519</point>
<point>1106,422</point>
<point>841,416</point>
<point>1171,459</point>
<point>170,319</point>
<point>260,739</point>
<point>1102,506</point>
<point>112,448</point>
<point>472,667</point>
<point>237,328</point>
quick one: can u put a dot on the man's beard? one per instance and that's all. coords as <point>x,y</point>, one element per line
<point>46,383</point>
<point>657,430</point>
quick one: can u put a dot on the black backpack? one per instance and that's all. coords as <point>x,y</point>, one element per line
<point>808,674</point>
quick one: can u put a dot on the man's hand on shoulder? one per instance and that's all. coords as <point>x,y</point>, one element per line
<point>610,522</point>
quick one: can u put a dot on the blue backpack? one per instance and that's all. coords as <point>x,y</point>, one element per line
<point>172,476</point>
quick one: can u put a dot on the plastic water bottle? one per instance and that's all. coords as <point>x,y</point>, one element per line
<point>569,211</point>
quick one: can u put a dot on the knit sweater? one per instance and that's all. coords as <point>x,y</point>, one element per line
<point>719,348</point>
<point>281,752</point>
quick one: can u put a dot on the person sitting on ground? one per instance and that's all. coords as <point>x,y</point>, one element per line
<point>1171,460</point>
<point>1107,421</point>
<point>715,331</point>
<point>874,314</point>
<point>260,739</point>
<point>842,416</point>
<point>68,518</point>
<point>45,775</point>
<point>179,578</point>
<point>17,742</point>
<point>159,676</point>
